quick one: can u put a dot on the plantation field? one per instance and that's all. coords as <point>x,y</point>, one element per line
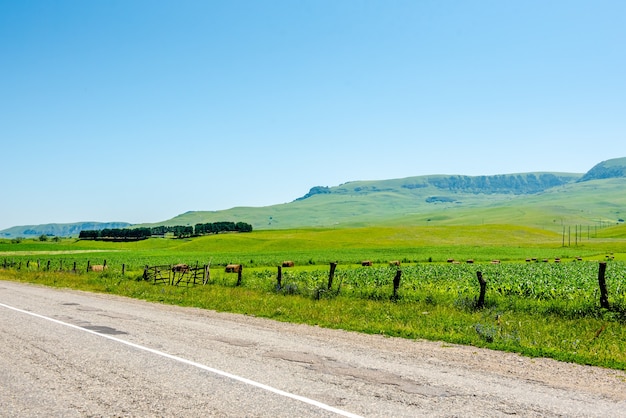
<point>537,307</point>
<point>321,246</point>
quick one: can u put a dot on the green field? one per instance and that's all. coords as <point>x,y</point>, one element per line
<point>535,307</point>
<point>412,244</point>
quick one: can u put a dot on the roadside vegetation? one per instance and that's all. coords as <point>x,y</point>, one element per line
<point>533,305</point>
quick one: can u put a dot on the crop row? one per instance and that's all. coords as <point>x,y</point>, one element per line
<point>537,281</point>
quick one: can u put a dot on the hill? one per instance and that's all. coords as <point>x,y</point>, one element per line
<point>595,202</point>
<point>58,230</point>
<point>362,203</point>
<point>609,169</point>
<point>542,199</point>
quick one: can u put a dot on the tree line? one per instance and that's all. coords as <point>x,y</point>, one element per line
<point>217,227</point>
<point>179,231</point>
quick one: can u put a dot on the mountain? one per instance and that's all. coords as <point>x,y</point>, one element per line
<point>543,199</point>
<point>609,169</point>
<point>421,200</point>
<point>515,184</point>
<point>58,230</point>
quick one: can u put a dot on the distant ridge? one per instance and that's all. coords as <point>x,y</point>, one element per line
<point>609,169</point>
<point>517,184</point>
<point>59,230</point>
<point>542,199</point>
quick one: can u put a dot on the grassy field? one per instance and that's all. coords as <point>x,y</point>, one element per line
<point>535,308</point>
<point>345,245</point>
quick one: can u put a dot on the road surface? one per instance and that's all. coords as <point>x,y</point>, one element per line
<point>75,354</point>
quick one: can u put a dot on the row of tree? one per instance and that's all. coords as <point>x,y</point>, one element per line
<point>116,233</point>
<point>217,227</point>
<point>178,231</point>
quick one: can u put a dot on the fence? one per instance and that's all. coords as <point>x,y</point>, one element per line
<point>176,274</point>
<point>183,274</point>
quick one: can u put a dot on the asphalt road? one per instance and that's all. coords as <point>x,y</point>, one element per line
<point>75,354</point>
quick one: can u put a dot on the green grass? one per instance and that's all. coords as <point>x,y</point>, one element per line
<point>343,244</point>
<point>537,309</point>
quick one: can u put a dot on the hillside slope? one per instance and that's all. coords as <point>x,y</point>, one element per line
<point>542,199</point>
<point>58,230</point>
<point>609,169</point>
<point>589,203</point>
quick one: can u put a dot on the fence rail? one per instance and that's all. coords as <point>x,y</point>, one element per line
<point>184,274</point>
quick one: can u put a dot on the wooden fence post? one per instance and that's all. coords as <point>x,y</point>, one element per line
<point>74,269</point>
<point>88,265</point>
<point>48,266</point>
<point>279,278</point>
<point>604,295</point>
<point>331,275</point>
<point>396,284</point>
<point>483,289</point>
<point>239,275</point>
<point>207,273</point>
<point>195,274</point>
<point>123,269</point>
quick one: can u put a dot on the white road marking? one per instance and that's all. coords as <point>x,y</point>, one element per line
<point>194,364</point>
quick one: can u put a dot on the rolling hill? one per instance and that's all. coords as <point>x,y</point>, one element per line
<point>545,200</point>
<point>542,199</point>
<point>58,230</point>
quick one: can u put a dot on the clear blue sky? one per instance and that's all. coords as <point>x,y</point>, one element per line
<point>137,111</point>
